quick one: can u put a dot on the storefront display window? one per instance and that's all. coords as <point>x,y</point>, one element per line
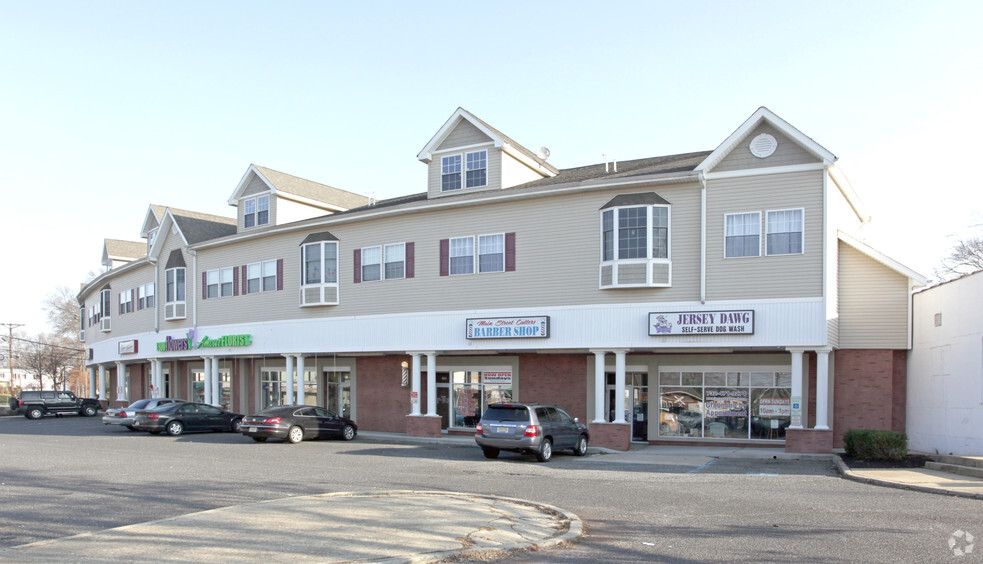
<point>274,388</point>
<point>472,391</point>
<point>198,386</point>
<point>310,387</point>
<point>725,405</point>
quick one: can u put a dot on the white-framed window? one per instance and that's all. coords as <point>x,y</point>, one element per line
<point>491,253</point>
<point>105,308</point>
<point>219,283</point>
<point>475,171</point>
<point>371,264</point>
<point>256,211</point>
<point>126,302</point>
<point>462,255</point>
<point>261,277</point>
<point>174,285</point>
<point>783,232</point>
<point>742,235</point>
<point>450,173</point>
<point>145,296</point>
<point>395,261</point>
<point>635,243</point>
<point>319,273</point>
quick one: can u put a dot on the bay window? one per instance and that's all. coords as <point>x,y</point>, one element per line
<point>175,303</point>
<point>319,270</point>
<point>635,242</point>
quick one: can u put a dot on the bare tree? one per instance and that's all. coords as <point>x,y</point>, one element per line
<point>966,257</point>
<point>44,357</point>
<point>64,315</point>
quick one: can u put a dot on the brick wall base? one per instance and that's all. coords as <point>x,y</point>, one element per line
<point>616,436</point>
<point>422,426</point>
<point>808,441</point>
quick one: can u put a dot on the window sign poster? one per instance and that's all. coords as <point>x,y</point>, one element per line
<point>774,407</point>
<point>497,377</point>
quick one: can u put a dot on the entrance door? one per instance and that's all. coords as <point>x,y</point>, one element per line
<point>338,392</point>
<point>636,403</point>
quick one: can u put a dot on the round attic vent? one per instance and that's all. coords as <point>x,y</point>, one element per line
<point>763,145</point>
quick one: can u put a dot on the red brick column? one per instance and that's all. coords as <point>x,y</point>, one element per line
<point>615,436</point>
<point>422,426</point>
<point>808,441</point>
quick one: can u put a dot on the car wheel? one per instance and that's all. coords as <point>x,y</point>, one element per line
<point>34,413</point>
<point>236,425</point>
<point>545,451</point>
<point>259,439</point>
<point>490,452</point>
<point>348,432</point>
<point>581,448</point>
<point>175,428</point>
<point>89,411</point>
<point>295,435</point>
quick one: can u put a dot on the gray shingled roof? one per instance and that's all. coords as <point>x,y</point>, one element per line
<point>311,190</point>
<point>196,229</point>
<point>684,162</point>
<point>512,142</point>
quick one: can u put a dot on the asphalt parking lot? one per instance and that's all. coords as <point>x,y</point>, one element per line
<point>71,475</point>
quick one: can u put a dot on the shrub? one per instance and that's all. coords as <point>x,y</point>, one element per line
<point>870,444</point>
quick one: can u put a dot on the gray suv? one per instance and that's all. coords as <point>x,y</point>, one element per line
<point>529,428</point>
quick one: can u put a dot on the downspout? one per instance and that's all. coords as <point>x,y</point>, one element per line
<point>703,238</point>
<point>194,293</point>
<point>156,297</point>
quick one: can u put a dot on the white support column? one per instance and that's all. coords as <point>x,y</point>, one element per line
<point>121,378</point>
<point>619,386</point>
<point>92,381</point>
<point>432,384</point>
<point>290,379</point>
<point>216,381</point>
<point>154,371</point>
<point>159,378</point>
<point>599,415</point>
<point>822,389</point>
<point>415,384</point>
<point>797,388</point>
<point>301,378</point>
<point>206,383</point>
<point>102,382</point>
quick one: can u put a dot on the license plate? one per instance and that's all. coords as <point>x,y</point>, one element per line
<point>501,429</point>
<point>252,429</point>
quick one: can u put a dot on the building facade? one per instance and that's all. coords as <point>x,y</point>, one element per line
<point>945,388</point>
<point>721,296</point>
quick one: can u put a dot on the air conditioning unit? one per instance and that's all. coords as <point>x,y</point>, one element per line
<point>81,336</point>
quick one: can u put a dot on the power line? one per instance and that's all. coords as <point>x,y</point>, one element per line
<point>44,344</point>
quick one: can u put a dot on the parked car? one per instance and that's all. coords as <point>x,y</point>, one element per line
<point>177,418</point>
<point>296,423</point>
<point>124,416</point>
<point>530,429</point>
<point>34,404</point>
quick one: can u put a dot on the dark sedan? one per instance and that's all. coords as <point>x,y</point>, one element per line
<point>296,423</point>
<point>180,417</point>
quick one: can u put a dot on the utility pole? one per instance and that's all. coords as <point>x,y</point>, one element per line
<point>10,351</point>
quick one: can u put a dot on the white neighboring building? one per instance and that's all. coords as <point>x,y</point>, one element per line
<point>22,379</point>
<point>945,370</point>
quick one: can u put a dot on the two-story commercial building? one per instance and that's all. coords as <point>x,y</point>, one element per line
<point>722,296</point>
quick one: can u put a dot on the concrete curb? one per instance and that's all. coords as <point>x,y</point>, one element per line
<point>848,474</point>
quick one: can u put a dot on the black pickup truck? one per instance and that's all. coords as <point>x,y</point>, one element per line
<point>34,404</point>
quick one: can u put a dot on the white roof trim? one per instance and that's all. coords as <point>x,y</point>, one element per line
<point>426,154</point>
<point>843,184</point>
<point>763,114</point>
<point>166,225</point>
<point>146,229</point>
<point>880,257</point>
<point>244,182</point>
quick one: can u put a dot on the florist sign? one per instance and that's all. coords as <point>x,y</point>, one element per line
<point>191,342</point>
<point>509,328</point>
<point>740,322</point>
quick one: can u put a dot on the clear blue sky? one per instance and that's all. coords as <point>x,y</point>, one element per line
<point>106,107</point>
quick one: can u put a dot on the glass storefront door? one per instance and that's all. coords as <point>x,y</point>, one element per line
<point>636,403</point>
<point>338,393</point>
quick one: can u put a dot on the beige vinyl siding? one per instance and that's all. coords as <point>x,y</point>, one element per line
<point>787,153</point>
<point>557,260</point>
<point>873,303</point>
<point>139,321</point>
<point>766,277</point>
<point>494,172</point>
<point>464,134</point>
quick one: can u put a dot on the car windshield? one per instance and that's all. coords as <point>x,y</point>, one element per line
<point>506,414</point>
<point>139,404</point>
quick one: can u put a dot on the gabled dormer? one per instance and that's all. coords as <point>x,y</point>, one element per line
<point>266,197</point>
<point>468,155</point>
<point>116,253</point>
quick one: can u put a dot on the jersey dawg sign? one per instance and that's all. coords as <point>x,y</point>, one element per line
<point>739,322</point>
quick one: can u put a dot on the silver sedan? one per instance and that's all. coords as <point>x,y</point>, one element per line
<point>124,416</point>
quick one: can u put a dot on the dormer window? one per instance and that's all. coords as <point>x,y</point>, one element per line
<point>475,171</point>
<point>256,211</point>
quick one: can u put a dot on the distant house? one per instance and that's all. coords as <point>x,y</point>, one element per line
<point>945,370</point>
